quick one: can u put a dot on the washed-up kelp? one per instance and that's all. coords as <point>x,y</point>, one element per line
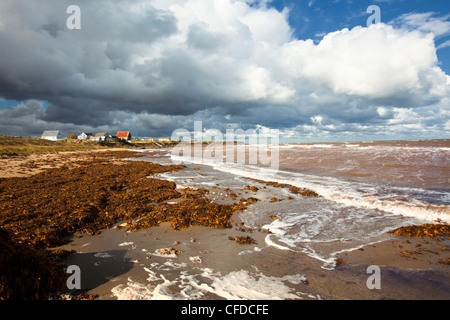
<point>44,209</point>
<point>190,212</point>
<point>243,240</point>
<point>168,251</point>
<point>293,189</point>
<point>423,230</point>
<point>27,273</point>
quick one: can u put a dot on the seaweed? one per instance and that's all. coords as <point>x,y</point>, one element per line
<point>243,240</point>
<point>293,189</point>
<point>190,212</point>
<point>168,251</point>
<point>43,210</point>
<point>423,230</point>
<point>27,273</point>
<point>252,188</point>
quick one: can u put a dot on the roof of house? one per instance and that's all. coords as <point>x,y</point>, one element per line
<point>102,134</point>
<point>123,134</point>
<point>50,133</point>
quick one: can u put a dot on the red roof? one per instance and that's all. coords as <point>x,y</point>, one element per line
<point>123,134</point>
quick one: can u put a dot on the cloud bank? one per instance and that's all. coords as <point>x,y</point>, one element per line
<point>152,66</point>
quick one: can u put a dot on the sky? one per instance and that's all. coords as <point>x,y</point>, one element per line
<point>313,70</point>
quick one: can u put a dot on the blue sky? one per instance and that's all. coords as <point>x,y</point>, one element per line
<point>311,69</point>
<point>311,19</point>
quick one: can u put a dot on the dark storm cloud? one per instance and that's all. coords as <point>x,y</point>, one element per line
<point>40,56</point>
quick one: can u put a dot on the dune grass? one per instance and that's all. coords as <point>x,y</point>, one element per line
<point>22,145</point>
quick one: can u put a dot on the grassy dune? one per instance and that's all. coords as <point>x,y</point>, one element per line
<point>19,145</point>
<point>16,145</point>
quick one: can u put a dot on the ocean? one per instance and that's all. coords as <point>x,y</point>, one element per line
<point>365,189</point>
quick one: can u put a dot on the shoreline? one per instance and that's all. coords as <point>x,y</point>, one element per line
<point>211,266</point>
<point>27,165</point>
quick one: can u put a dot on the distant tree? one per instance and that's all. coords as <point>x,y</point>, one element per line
<point>72,136</point>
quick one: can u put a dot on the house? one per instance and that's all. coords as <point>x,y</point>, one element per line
<point>85,136</point>
<point>165,139</point>
<point>52,135</point>
<point>101,136</point>
<point>124,135</point>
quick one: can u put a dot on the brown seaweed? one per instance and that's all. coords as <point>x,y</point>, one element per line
<point>27,273</point>
<point>423,230</point>
<point>190,212</point>
<point>293,189</point>
<point>46,208</point>
<point>243,240</point>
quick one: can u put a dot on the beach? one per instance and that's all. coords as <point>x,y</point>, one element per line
<point>121,265</point>
<point>264,242</point>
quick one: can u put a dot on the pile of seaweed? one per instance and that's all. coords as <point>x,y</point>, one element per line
<point>190,212</point>
<point>42,211</point>
<point>27,273</point>
<point>293,189</point>
<point>423,230</point>
<point>242,240</point>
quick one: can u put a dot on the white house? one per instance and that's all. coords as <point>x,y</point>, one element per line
<point>85,136</point>
<point>164,139</point>
<point>101,136</point>
<point>52,135</point>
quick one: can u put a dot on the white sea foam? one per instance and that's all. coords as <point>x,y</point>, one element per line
<point>236,285</point>
<point>123,244</point>
<point>361,195</point>
<point>196,259</point>
<point>325,233</point>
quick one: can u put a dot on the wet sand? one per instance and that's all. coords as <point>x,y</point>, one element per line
<point>118,263</point>
<point>26,165</point>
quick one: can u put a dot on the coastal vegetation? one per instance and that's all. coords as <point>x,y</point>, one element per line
<point>26,145</point>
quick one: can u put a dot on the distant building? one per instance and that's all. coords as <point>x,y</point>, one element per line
<point>85,136</point>
<point>164,139</point>
<point>101,136</point>
<point>124,135</point>
<point>52,135</point>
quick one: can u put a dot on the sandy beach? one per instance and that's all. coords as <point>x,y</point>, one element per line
<point>200,262</point>
<point>25,165</point>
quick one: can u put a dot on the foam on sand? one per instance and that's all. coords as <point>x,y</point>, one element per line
<point>236,285</point>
